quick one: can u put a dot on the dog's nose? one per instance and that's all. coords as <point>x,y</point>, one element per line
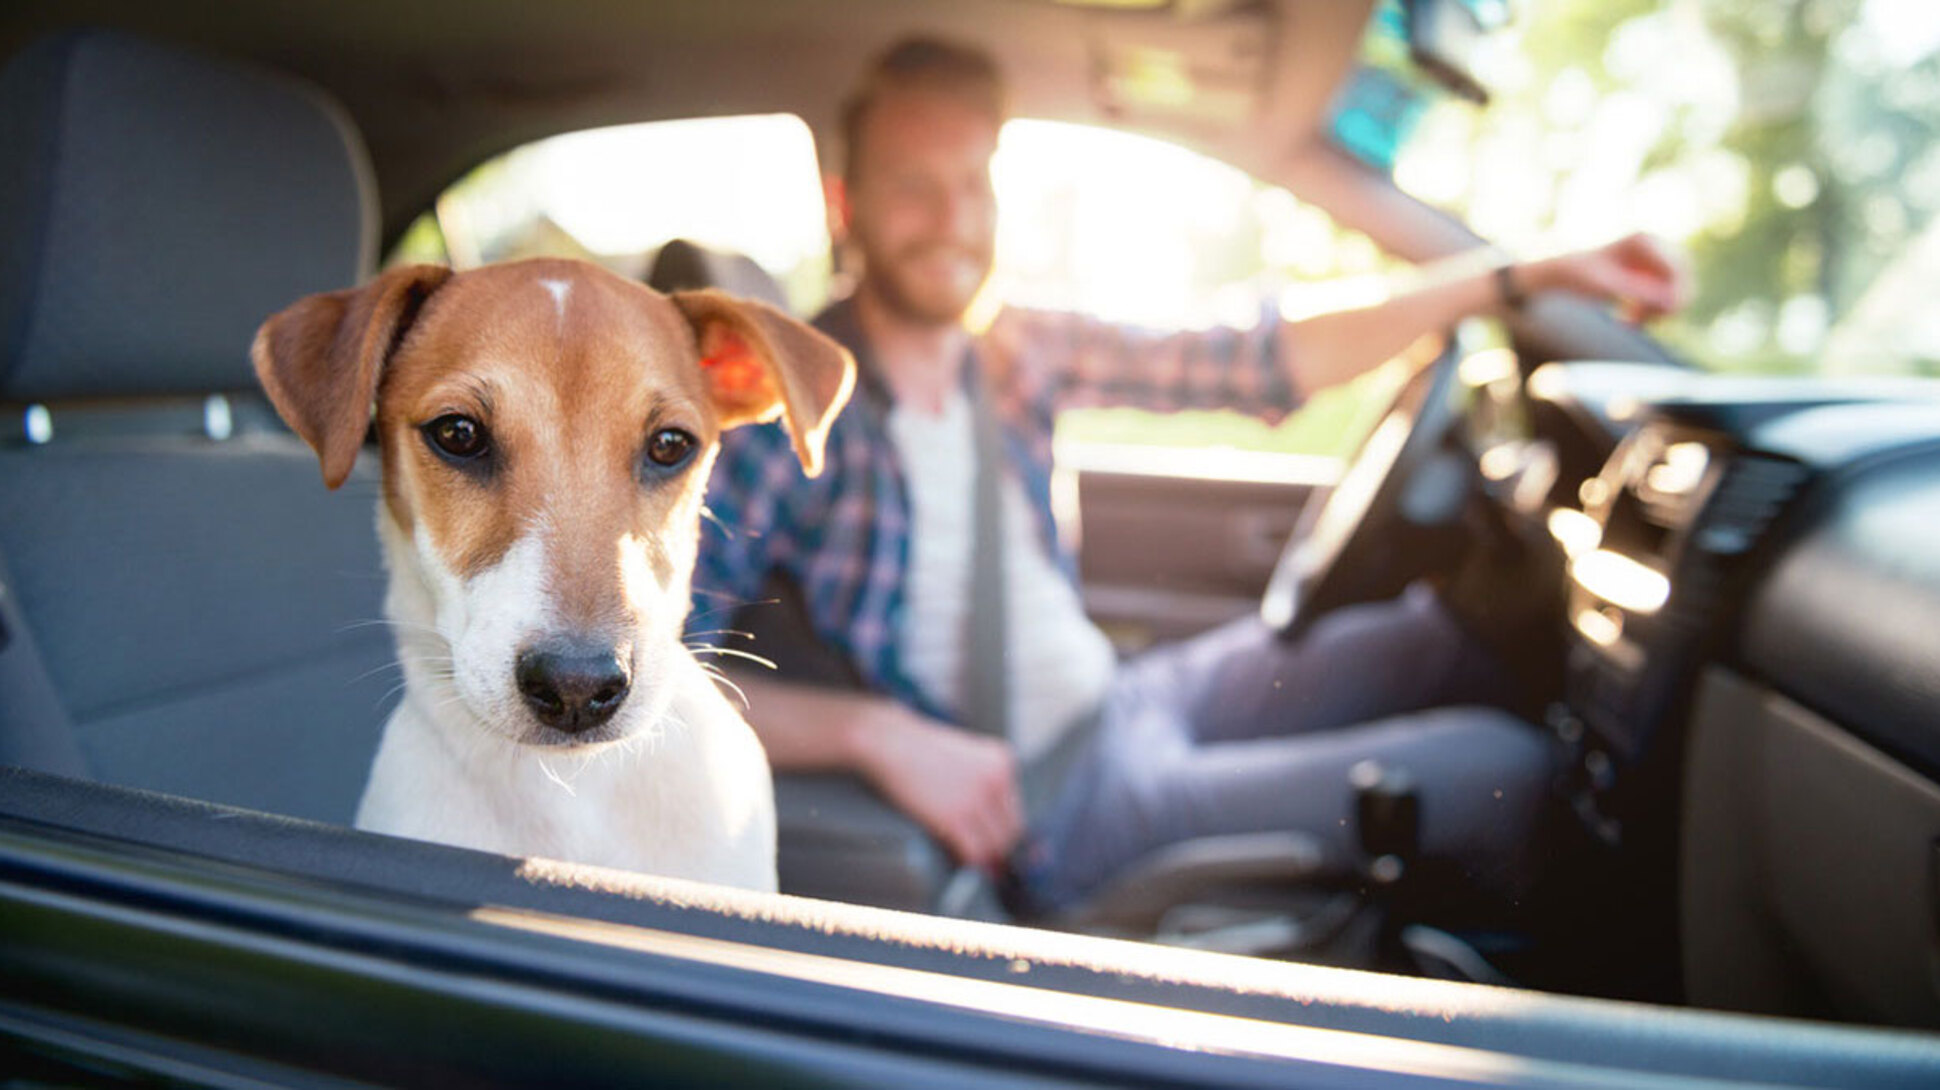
<point>572,688</point>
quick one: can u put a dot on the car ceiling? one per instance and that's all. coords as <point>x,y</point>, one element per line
<point>438,86</point>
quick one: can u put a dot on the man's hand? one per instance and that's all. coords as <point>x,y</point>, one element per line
<point>961,787</point>
<point>1643,276</point>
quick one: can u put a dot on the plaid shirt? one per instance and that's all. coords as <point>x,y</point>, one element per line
<point>844,537</point>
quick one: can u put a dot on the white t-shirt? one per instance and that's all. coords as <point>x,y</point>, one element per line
<point>1059,662</point>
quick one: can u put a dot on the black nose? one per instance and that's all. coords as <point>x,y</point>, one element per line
<point>571,688</point>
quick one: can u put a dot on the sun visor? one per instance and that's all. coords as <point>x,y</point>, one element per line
<point>1204,73</point>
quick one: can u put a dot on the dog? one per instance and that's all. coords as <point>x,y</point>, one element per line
<point>546,429</point>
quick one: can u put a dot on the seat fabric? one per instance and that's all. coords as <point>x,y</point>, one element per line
<point>202,606</point>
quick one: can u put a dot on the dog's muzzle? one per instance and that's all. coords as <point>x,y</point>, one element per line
<point>572,688</point>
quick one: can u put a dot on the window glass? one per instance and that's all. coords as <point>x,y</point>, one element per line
<point>1790,148</point>
<point>744,184</point>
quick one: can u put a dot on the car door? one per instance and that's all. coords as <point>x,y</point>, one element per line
<point>1172,543</point>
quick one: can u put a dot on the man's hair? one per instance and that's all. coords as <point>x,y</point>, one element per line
<point>928,66</point>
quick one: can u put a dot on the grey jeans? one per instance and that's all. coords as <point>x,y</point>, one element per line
<point>1235,731</point>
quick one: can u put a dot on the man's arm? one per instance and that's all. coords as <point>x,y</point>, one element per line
<point>1322,350</point>
<point>962,787</point>
<point>1071,361</point>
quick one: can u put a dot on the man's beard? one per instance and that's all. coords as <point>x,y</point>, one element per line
<point>915,302</point>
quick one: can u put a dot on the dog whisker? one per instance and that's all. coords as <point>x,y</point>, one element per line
<point>433,662</point>
<point>647,739</point>
<point>729,608</point>
<point>546,767</point>
<point>448,700</point>
<point>390,622</point>
<point>735,652</point>
<point>701,614</point>
<point>374,671</point>
<point>720,678</point>
<point>672,720</point>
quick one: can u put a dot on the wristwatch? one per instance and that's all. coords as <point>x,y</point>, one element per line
<point>1505,286</point>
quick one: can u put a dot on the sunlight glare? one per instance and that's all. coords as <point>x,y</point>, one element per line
<point>1905,31</point>
<point>624,189</point>
<point>1110,224</point>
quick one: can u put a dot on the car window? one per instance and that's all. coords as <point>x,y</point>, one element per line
<point>614,195</point>
<point>1790,148</point>
<point>1195,242</point>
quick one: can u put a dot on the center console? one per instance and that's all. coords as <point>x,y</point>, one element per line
<point>1655,551</point>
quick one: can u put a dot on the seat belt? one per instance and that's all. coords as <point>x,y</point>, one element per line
<point>986,699</point>
<point>35,731</point>
<point>987,695</point>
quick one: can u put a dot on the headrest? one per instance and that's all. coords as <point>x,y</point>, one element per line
<point>684,266</point>
<point>157,205</point>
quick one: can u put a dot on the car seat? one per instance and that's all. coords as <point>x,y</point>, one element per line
<point>186,608</point>
<point>681,265</point>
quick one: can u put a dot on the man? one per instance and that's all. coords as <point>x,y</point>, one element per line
<point>1234,731</point>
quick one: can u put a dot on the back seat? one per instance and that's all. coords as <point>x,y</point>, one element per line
<point>187,609</point>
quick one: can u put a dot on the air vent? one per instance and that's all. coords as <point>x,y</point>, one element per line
<point>1751,494</point>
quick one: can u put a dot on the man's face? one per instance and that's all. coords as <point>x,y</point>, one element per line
<point>921,208</point>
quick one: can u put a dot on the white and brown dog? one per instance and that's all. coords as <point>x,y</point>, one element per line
<point>546,429</point>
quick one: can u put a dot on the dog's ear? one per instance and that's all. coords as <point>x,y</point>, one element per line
<point>319,359</point>
<point>759,363</point>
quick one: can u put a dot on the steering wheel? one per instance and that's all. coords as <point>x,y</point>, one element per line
<point>1386,521</point>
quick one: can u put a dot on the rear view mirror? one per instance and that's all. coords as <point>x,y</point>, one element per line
<point>1414,52</point>
<point>1443,37</point>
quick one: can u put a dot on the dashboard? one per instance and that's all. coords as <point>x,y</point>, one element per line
<point>1751,664</point>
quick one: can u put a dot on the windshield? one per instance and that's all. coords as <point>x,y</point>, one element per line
<point>1789,147</point>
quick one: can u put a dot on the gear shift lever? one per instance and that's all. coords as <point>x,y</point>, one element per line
<point>1387,812</point>
<point>1387,815</point>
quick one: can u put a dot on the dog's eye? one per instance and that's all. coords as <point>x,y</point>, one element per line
<point>670,447</point>
<point>457,436</point>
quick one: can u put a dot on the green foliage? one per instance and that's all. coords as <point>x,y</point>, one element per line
<point>423,243</point>
<point>1800,198</point>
